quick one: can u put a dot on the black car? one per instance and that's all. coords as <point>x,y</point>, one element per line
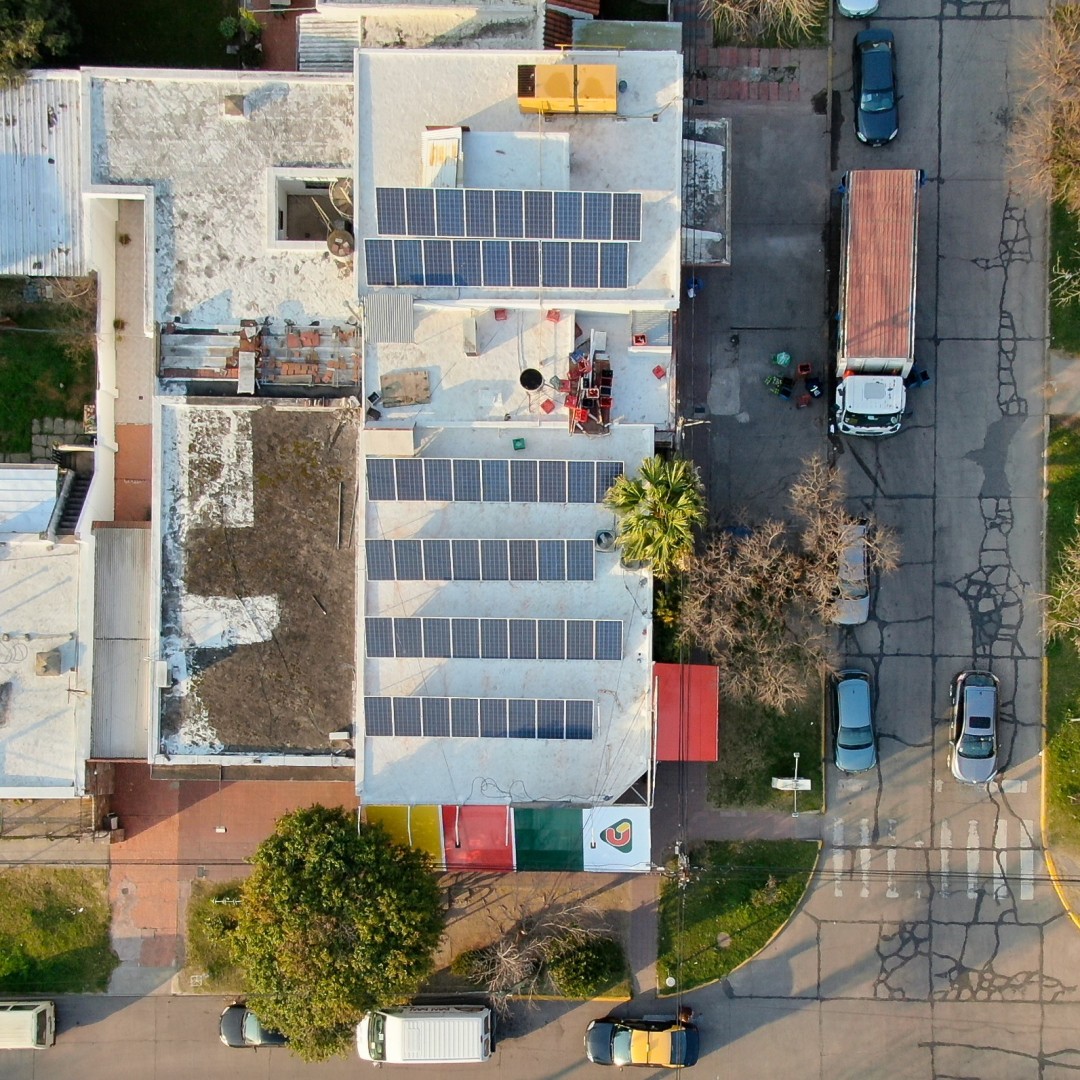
<point>239,1026</point>
<point>669,1043</point>
<point>877,118</point>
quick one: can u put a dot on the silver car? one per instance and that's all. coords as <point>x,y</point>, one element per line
<point>973,756</point>
<point>852,604</point>
<point>854,747</point>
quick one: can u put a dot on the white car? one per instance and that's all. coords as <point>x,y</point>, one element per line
<point>857,9</point>
<point>852,604</point>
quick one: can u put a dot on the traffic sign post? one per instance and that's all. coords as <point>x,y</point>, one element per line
<point>794,784</point>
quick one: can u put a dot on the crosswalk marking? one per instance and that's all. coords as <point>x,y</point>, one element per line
<point>1027,861</point>
<point>1001,842</point>
<point>973,859</point>
<point>891,892</point>
<point>864,856</point>
<point>946,848</point>
<point>838,856</point>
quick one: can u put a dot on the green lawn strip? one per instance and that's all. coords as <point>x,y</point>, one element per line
<point>1062,759</point>
<point>211,915</point>
<point>745,891</point>
<point>54,931</point>
<point>757,744</point>
<point>1065,252</point>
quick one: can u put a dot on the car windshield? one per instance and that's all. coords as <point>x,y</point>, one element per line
<point>858,738</point>
<point>620,1046</point>
<point>376,1037</point>
<point>877,100</point>
<point>975,746</point>
<point>871,419</point>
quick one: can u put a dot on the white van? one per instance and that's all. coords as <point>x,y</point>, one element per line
<point>427,1034</point>
<point>27,1025</point>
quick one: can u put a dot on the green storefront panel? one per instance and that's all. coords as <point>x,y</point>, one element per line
<point>548,839</point>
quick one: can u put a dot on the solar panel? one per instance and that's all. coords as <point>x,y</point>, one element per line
<point>438,262</point>
<point>409,262</point>
<point>580,565</point>
<point>479,212</point>
<point>438,565</point>
<point>555,264</point>
<point>584,265</point>
<point>379,260</point>
<point>438,480</point>
<point>450,211</point>
<point>390,211</point>
<point>625,215</point>
<point>522,639</point>
<point>407,713</point>
<point>496,262</point>
<point>408,637</point>
<point>494,639</point>
<point>378,716</point>
<point>466,556</point>
<point>606,472</point>
<point>420,211</point>
<point>552,481</point>
<point>522,560</point>
<point>552,560</point>
<point>579,719</point>
<point>466,638</point>
<point>437,638</point>
<point>409,473</point>
<point>524,264</point>
<point>523,480</point>
<point>380,560</point>
<point>550,639</point>
<point>496,472</point>
<point>538,214</point>
<point>579,639</point>
<point>379,636</point>
<point>436,712</point>
<point>613,266</point>
<point>581,478</point>
<point>509,214</point>
<point>380,478</point>
<point>466,480</point>
<point>550,718</point>
<point>597,209</point>
<point>409,559</point>
<point>468,267</point>
<point>522,718</point>
<point>567,214</point>
<point>609,640</point>
<point>493,718</point>
<point>464,718</point>
<point>494,563</point>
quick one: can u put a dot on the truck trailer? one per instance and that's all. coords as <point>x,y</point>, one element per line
<point>875,345</point>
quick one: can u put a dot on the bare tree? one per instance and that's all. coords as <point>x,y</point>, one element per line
<point>1063,603</point>
<point>789,21</point>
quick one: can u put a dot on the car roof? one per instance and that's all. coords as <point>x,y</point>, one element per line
<point>853,698</point>
<point>980,701</point>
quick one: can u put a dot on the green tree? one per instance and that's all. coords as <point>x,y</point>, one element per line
<point>31,32</point>
<point>335,919</point>
<point>658,511</point>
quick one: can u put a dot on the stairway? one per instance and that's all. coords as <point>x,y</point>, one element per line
<point>73,504</point>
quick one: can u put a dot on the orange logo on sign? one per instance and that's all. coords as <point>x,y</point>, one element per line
<point>620,835</point>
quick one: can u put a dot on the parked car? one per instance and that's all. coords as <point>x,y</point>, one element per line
<point>854,746</point>
<point>857,9</point>
<point>973,756</point>
<point>877,117</point>
<point>666,1043</point>
<point>852,605</point>
<point>239,1026</point>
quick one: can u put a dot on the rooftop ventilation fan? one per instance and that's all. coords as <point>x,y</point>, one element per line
<point>605,540</point>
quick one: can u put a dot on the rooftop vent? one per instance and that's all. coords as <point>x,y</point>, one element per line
<point>235,105</point>
<point>605,540</point>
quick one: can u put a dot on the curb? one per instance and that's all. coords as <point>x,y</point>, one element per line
<point>1052,871</point>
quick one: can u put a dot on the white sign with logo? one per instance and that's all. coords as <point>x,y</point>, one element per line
<point>617,839</point>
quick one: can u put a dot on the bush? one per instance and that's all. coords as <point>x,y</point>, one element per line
<point>466,965</point>
<point>582,969</point>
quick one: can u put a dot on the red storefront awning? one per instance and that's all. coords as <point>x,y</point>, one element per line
<point>687,711</point>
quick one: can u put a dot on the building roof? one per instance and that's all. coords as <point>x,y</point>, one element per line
<point>687,711</point>
<point>27,498</point>
<point>40,177</point>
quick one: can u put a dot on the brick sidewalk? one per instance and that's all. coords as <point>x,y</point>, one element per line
<point>729,74</point>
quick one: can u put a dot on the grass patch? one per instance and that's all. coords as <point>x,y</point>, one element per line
<point>211,918</point>
<point>54,931</point>
<point>49,373</point>
<point>757,743</point>
<point>1065,253</point>
<point>745,891</point>
<point>1062,764</point>
<point>152,33</point>
<point>775,37</point>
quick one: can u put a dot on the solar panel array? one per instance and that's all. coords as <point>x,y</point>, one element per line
<point>510,264</point>
<point>489,480</point>
<point>485,718</point>
<point>480,560</point>
<point>494,639</point>
<point>508,213</point>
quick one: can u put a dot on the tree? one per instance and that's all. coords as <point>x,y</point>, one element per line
<point>658,511</point>
<point>31,31</point>
<point>1063,603</point>
<point>789,21</point>
<point>335,920</point>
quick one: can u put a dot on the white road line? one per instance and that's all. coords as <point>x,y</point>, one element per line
<point>1014,787</point>
<point>838,856</point>
<point>973,860</point>
<point>890,860</point>
<point>864,856</point>
<point>1001,843</point>
<point>946,848</point>
<point>1027,861</point>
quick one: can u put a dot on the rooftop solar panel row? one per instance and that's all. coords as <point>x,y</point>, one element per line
<point>489,718</point>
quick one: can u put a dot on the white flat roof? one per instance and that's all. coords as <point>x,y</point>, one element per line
<point>27,497</point>
<point>213,264</point>
<point>403,92</point>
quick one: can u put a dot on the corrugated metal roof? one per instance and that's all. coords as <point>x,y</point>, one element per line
<point>40,182</point>
<point>388,316</point>
<point>324,44</point>
<point>121,686</point>
<point>27,497</point>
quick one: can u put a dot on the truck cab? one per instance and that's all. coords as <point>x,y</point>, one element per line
<point>870,404</point>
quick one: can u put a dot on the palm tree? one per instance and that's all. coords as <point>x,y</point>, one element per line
<point>658,511</point>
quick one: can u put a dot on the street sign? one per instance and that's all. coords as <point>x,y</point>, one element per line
<point>789,783</point>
